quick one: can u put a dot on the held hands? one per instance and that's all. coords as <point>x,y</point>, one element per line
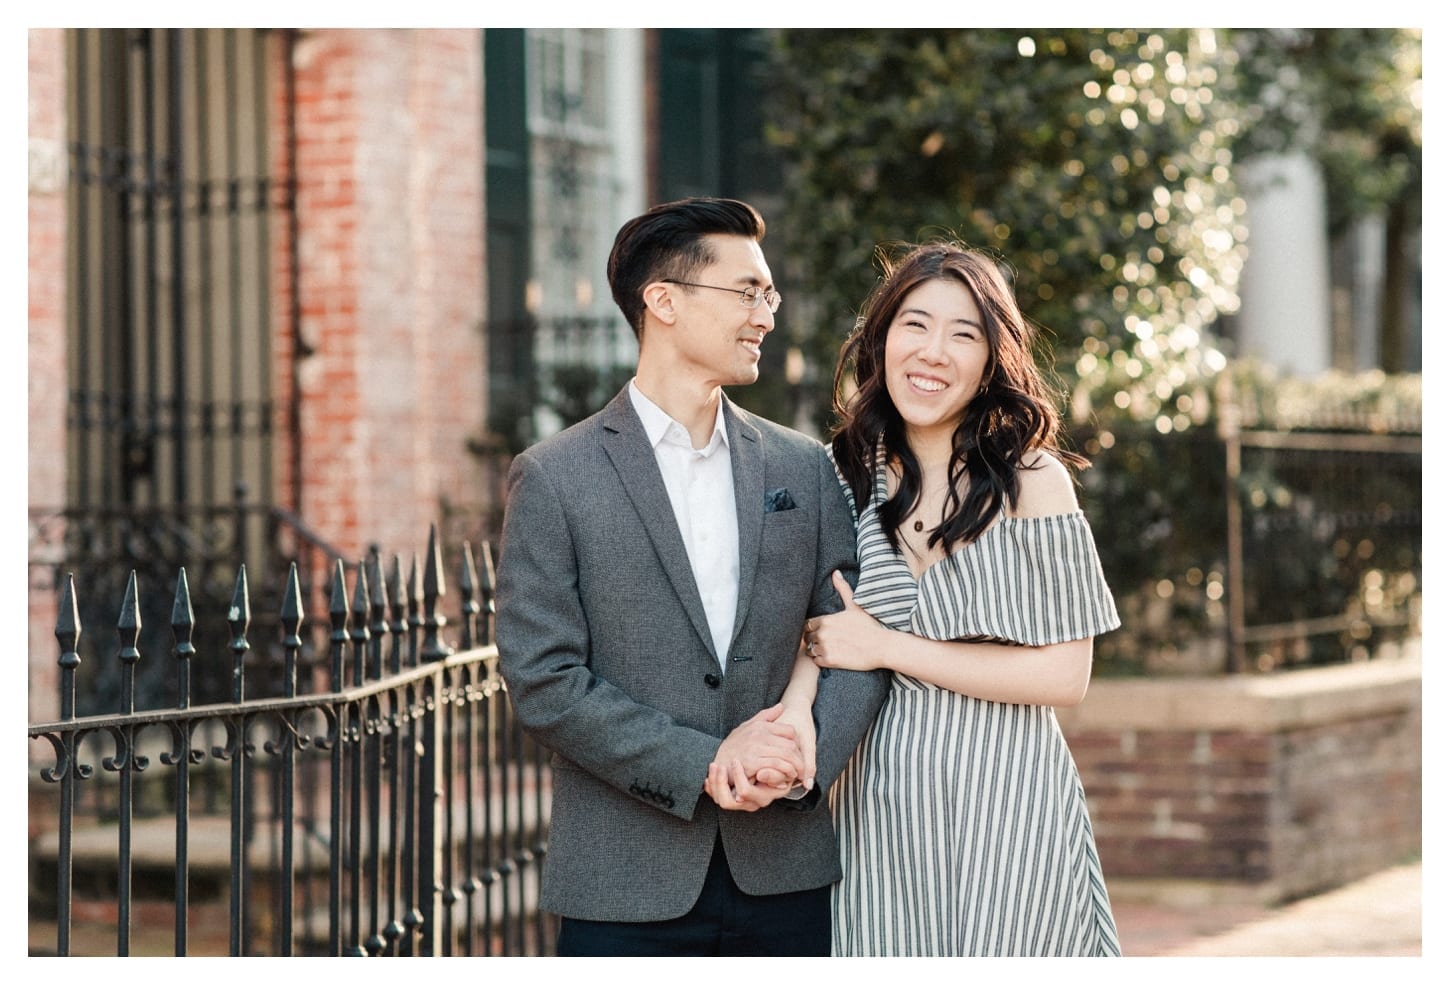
<point>758,762</point>
<point>851,639</point>
<point>764,757</point>
<point>798,717</point>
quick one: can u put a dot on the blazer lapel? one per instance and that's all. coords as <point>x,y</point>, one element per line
<point>747,458</point>
<point>628,448</point>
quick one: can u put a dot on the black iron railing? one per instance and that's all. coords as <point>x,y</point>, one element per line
<point>396,808</point>
<point>107,547</point>
<point>1259,543</point>
<point>1324,548</point>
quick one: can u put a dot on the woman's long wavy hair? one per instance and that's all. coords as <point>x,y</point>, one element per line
<point>1014,414</point>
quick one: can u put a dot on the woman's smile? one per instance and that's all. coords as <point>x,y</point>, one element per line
<point>936,354</point>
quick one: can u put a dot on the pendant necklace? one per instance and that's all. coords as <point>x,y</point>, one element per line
<point>919,525</point>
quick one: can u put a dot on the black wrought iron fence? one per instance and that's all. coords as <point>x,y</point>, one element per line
<point>395,808</point>
<point>1258,545</point>
<point>1324,559</point>
<point>106,546</point>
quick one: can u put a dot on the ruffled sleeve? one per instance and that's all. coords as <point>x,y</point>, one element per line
<point>1029,580</point>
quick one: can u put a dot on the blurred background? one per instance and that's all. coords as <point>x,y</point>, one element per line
<point>297,295</point>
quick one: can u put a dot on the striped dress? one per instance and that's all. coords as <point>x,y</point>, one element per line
<point>962,823</point>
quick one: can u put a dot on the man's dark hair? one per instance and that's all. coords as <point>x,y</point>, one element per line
<point>668,243</point>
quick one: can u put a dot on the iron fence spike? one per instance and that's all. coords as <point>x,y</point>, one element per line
<point>292,608</point>
<point>466,573</point>
<point>183,617</point>
<point>68,620</point>
<point>360,597</point>
<point>239,616</point>
<point>339,595</point>
<point>434,584</point>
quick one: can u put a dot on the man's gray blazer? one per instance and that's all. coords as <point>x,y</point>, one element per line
<point>608,658</point>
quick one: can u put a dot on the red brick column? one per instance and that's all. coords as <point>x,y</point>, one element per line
<point>46,471</point>
<point>391,288</point>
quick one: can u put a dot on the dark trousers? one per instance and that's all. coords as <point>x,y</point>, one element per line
<point>723,922</point>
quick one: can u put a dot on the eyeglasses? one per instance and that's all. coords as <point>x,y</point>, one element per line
<point>750,297</point>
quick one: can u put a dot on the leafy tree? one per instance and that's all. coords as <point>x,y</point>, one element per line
<point>1096,163</point>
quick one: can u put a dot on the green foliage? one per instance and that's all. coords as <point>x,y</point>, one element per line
<point>1098,166</point>
<point>1155,505</point>
<point>1094,162</point>
<point>1350,96</point>
<point>576,390</point>
<point>1331,532</point>
<point>1372,402</point>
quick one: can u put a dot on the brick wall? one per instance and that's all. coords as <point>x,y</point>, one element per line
<point>1290,783</point>
<point>1351,798</point>
<point>390,213</point>
<point>46,338</point>
<point>391,295</point>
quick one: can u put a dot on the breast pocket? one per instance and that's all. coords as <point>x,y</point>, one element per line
<point>788,539</point>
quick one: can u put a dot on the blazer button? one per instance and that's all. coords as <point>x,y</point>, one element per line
<point>712,681</point>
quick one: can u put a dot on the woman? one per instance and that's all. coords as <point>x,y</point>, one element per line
<point>962,821</point>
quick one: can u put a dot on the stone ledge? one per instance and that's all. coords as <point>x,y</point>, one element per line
<point>1261,704</point>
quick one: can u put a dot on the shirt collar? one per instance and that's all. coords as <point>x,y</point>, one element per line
<point>657,423</point>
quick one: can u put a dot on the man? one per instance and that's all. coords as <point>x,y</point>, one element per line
<point>658,562</point>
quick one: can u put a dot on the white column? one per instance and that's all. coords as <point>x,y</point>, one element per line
<point>627,135</point>
<point>626,61</point>
<point>1284,318</point>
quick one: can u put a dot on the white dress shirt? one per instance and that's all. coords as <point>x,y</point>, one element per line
<point>701,487</point>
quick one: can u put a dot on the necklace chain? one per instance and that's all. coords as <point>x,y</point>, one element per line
<point>941,487</point>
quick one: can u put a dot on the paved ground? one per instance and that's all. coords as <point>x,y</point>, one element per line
<point>1379,916</point>
<point>1376,917</point>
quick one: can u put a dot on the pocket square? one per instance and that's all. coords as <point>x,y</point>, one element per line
<point>778,501</point>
